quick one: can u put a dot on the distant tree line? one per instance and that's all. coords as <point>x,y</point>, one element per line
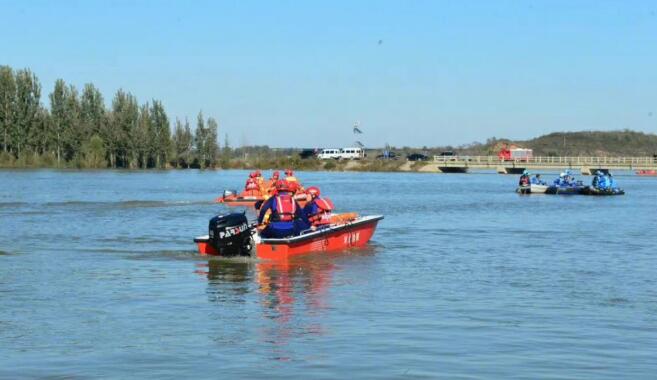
<point>582,143</point>
<point>78,130</point>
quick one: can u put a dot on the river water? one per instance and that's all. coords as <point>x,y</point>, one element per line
<point>463,279</point>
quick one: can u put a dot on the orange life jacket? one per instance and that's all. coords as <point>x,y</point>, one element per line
<point>251,184</point>
<point>286,207</point>
<point>323,211</point>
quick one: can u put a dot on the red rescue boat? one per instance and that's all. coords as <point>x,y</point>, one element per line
<point>231,235</point>
<point>646,172</point>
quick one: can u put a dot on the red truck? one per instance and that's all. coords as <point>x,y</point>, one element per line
<point>514,154</point>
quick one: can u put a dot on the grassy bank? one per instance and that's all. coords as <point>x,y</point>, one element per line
<point>326,165</point>
<point>32,161</point>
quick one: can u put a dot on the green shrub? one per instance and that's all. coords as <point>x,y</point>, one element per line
<point>93,153</point>
<point>330,165</point>
<point>6,160</point>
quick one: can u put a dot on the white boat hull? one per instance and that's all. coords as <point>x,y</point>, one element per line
<point>532,189</point>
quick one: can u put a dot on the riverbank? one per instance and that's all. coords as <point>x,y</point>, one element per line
<point>368,165</point>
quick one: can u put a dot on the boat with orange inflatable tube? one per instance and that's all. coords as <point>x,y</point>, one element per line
<point>229,198</point>
<point>232,235</point>
<point>647,173</point>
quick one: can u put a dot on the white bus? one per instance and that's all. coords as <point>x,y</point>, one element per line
<point>329,153</point>
<point>353,153</point>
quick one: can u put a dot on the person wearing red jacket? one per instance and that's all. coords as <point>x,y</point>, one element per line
<point>318,210</point>
<point>252,187</point>
<point>285,215</point>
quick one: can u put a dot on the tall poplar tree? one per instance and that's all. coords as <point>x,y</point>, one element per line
<point>58,116</point>
<point>161,136</point>
<point>183,141</point>
<point>142,138</point>
<point>211,144</point>
<point>7,104</point>
<point>73,134</point>
<point>93,115</point>
<point>124,121</point>
<point>200,139</point>
<point>28,95</point>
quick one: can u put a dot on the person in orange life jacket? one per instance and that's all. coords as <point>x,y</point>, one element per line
<point>261,181</point>
<point>286,217</point>
<point>295,186</point>
<point>251,188</point>
<point>270,185</point>
<point>318,210</point>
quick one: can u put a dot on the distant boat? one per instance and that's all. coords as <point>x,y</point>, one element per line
<point>646,172</point>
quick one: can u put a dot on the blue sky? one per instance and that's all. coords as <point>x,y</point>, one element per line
<point>293,73</point>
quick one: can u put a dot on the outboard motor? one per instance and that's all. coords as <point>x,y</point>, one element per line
<point>231,234</point>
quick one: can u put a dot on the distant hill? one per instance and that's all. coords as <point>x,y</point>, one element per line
<point>585,143</point>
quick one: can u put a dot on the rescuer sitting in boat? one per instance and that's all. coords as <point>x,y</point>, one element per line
<point>524,179</point>
<point>285,216</point>
<point>536,180</point>
<point>295,186</point>
<point>604,183</point>
<point>275,176</point>
<point>561,180</point>
<point>252,188</point>
<point>318,210</point>
<point>259,178</point>
<point>565,180</point>
<point>612,182</point>
<point>270,184</point>
<point>596,179</point>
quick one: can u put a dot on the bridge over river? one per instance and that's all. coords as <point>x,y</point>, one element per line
<point>587,165</point>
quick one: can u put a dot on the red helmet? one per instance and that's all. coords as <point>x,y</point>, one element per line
<point>294,186</point>
<point>313,191</point>
<point>258,173</point>
<point>276,174</point>
<point>252,175</point>
<point>282,185</point>
<point>289,172</point>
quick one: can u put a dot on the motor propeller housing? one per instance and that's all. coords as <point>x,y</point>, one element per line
<point>231,234</point>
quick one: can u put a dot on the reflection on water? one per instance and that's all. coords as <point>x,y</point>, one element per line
<point>283,283</point>
<point>292,294</point>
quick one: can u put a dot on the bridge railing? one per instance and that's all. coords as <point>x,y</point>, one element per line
<point>557,161</point>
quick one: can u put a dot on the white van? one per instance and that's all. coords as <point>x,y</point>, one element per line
<point>328,154</point>
<point>351,153</point>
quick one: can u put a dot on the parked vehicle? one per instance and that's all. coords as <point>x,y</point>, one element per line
<point>353,153</point>
<point>387,155</point>
<point>330,153</point>
<point>417,157</point>
<point>448,156</point>
<point>514,154</point>
<point>308,153</point>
